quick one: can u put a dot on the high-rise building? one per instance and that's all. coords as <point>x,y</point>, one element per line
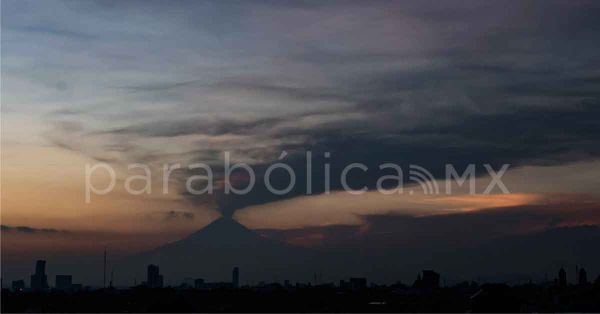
<point>64,282</point>
<point>39,280</point>
<point>235,280</point>
<point>155,279</point>
<point>418,282</point>
<point>582,278</point>
<point>562,278</point>
<point>430,279</point>
<point>18,285</point>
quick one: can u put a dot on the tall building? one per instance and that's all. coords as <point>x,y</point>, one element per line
<point>358,283</point>
<point>18,285</point>
<point>562,278</point>
<point>417,283</point>
<point>64,282</point>
<point>155,279</point>
<point>582,278</point>
<point>430,279</point>
<point>39,280</point>
<point>235,280</point>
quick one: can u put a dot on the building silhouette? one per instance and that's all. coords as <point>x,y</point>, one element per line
<point>64,282</point>
<point>199,283</point>
<point>39,280</point>
<point>430,279</point>
<point>235,280</point>
<point>417,282</point>
<point>18,285</point>
<point>358,283</point>
<point>155,279</point>
<point>582,277</point>
<point>562,278</point>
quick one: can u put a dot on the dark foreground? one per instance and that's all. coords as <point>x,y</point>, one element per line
<point>461,298</point>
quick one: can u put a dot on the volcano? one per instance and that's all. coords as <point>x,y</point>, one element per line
<point>223,232</point>
<point>213,251</point>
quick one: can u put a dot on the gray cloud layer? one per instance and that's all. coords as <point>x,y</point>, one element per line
<point>426,83</point>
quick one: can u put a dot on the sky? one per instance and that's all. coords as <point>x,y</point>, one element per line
<point>425,83</point>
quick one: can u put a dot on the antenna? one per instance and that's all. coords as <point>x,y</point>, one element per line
<point>104,270</point>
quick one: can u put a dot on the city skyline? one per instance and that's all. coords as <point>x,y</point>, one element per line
<point>428,293</point>
<point>203,255</point>
<point>426,279</point>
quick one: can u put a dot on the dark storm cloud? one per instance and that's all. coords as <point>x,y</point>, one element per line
<point>526,137</point>
<point>523,136</point>
<point>454,82</point>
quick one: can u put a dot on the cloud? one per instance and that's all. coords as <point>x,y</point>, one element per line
<point>371,134</point>
<point>26,229</point>
<point>418,83</point>
<point>65,33</point>
<point>454,230</point>
<point>159,86</point>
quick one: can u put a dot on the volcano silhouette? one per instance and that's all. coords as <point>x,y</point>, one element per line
<point>224,232</point>
<point>214,250</point>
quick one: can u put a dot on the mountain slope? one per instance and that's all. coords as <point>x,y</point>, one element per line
<point>213,251</point>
